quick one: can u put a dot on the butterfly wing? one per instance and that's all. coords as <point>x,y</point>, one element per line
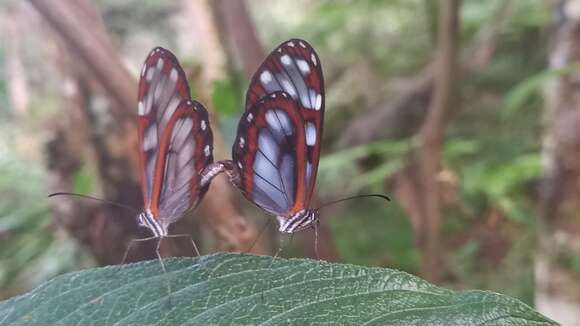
<point>294,67</point>
<point>175,138</point>
<point>270,155</point>
<point>185,150</point>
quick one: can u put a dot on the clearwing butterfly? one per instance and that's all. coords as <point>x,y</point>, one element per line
<point>175,143</point>
<point>175,148</point>
<point>277,148</point>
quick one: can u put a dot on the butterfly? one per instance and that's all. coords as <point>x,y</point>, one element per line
<point>175,143</point>
<point>277,148</point>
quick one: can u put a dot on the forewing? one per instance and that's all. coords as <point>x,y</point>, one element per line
<point>162,87</point>
<point>270,154</point>
<point>294,67</point>
<point>185,150</point>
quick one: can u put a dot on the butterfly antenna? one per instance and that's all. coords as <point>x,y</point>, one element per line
<point>93,198</point>
<point>353,197</point>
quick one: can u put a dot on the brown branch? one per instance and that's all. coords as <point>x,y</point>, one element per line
<point>75,22</point>
<point>231,227</point>
<point>404,117</point>
<point>432,132</point>
<point>240,30</point>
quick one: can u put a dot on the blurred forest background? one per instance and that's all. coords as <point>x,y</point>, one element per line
<point>465,112</point>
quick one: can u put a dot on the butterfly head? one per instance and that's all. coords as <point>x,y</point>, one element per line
<point>148,220</point>
<point>302,220</point>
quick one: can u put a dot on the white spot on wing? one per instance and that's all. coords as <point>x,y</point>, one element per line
<point>303,66</point>
<point>310,131</point>
<point>302,44</point>
<point>140,108</point>
<point>249,117</point>
<point>242,142</point>
<point>160,64</point>
<point>313,58</point>
<point>240,164</point>
<point>290,44</point>
<point>149,76</point>
<point>203,125</point>
<point>318,102</point>
<point>285,59</point>
<point>173,74</point>
<point>266,77</point>
<point>206,150</point>
<point>143,70</point>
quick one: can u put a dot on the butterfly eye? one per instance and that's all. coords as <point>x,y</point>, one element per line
<point>140,220</point>
<point>313,216</point>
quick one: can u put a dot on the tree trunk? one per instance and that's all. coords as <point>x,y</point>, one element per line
<point>239,30</point>
<point>17,86</point>
<point>418,183</point>
<point>558,288</point>
<point>231,227</point>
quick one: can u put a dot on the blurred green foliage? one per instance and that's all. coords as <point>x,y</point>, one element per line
<point>31,250</point>
<point>227,95</point>
<point>492,148</point>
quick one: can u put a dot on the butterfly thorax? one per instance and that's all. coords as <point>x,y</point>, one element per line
<point>148,220</point>
<point>299,221</point>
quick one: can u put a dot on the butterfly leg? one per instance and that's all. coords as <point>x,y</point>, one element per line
<point>126,254</point>
<point>232,171</point>
<point>276,254</point>
<point>259,235</point>
<point>275,257</point>
<point>194,246</point>
<point>158,253</point>
<point>316,225</point>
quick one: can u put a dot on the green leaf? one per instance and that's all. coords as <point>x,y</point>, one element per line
<point>234,289</point>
